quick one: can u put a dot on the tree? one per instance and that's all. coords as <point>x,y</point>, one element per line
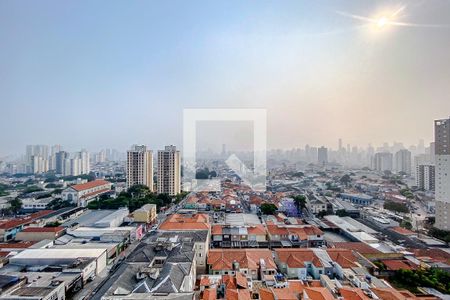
<point>268,208</point>
<point>395,206</point>
<point>16,205</point>
<point>406,224</point>
<point>300,201</point>
<point>346,180</point>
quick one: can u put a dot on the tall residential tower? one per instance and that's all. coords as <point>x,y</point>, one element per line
<point>140,167</point>
<point>169,171</point>
<point>442,173</point>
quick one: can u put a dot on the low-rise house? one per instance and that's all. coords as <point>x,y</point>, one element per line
<point>182,222</point>
<point>235,286</point>
<point>295,236</point>
<point>312,263</point>
<point>253,263</point>
<point>82,194</point>
<point>226,236</point>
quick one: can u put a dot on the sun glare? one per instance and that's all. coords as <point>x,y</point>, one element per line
<point>381,22</point>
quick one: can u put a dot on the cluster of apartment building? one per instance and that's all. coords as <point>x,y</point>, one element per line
<point>139,169</point>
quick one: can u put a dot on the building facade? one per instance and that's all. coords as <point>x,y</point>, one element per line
<point>442,169</point>
<point>169,171</point>
<point>403,161</point>
<point>140,167</point>
<point>425,177</point>
<point>382,161</point>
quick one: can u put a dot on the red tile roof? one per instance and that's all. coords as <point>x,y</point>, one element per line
<point>350,293</point>
<point>89,185</point>
<point>402,231</point>
<point>186,222</point>
<point>222,259</point>
<point>395,265</point>
<point>44,229</point>
<point>16,245</point>
<point>357,246</point>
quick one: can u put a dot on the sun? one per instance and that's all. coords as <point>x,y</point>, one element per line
<point>381,22</point>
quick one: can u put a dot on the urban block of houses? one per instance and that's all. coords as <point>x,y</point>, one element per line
<point>82,194</point>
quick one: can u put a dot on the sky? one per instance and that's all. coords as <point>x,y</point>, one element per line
<point>97,74</point>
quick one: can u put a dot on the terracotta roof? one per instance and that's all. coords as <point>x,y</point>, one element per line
<point>345,258</point>
<point>16,245</point>
<point>44,229</point>
<point>256,230</point>
<point>216,229</point>
<point>89,185</point>
<point>296,258</point>
<point>402,231</point>
<point>395,264</point>
<point>436,255</point>
<point>318,293</point>
<point>89,195</point>
<point>350,293</point>
<point>390,294</point>
<point>186,222</point>
<point>222,259</point>
<point>209,294</point>
<point>357,246</point>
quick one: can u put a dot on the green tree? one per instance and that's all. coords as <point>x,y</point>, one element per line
<point>300,201</point>
<point>395,206</point>
<point>268,208</point>
<point>15,204</point>
<point>346,180</point>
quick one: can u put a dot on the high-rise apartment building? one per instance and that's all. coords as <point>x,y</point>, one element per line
<point>140,166</point>
<point>322,156</point>
<point>60,158</point>
<point>169,171</point>
<point>382,161</point>
<point>442,164</point>
<point>39,164</point>
<point>425,177</point>
<point>403,161</point>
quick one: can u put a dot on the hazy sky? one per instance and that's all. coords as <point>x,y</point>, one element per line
<point>97,74</point>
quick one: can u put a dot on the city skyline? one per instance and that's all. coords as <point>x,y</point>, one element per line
<point>77,75</point>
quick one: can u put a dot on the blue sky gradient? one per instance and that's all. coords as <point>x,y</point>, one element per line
<point>97,74</point>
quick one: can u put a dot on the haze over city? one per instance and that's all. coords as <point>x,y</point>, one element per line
<point>90,75</point>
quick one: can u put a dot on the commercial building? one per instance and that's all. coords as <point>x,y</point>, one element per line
<point>162,266</point>
<point>36,234</point>
<point>403,161</point>
<point>146,214</point>
<point>53,256</point>
<point>442,156</point>
<point>81,194</point>
<point>425,177</point>
<point>140,167</point>
<point>169,171</point>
